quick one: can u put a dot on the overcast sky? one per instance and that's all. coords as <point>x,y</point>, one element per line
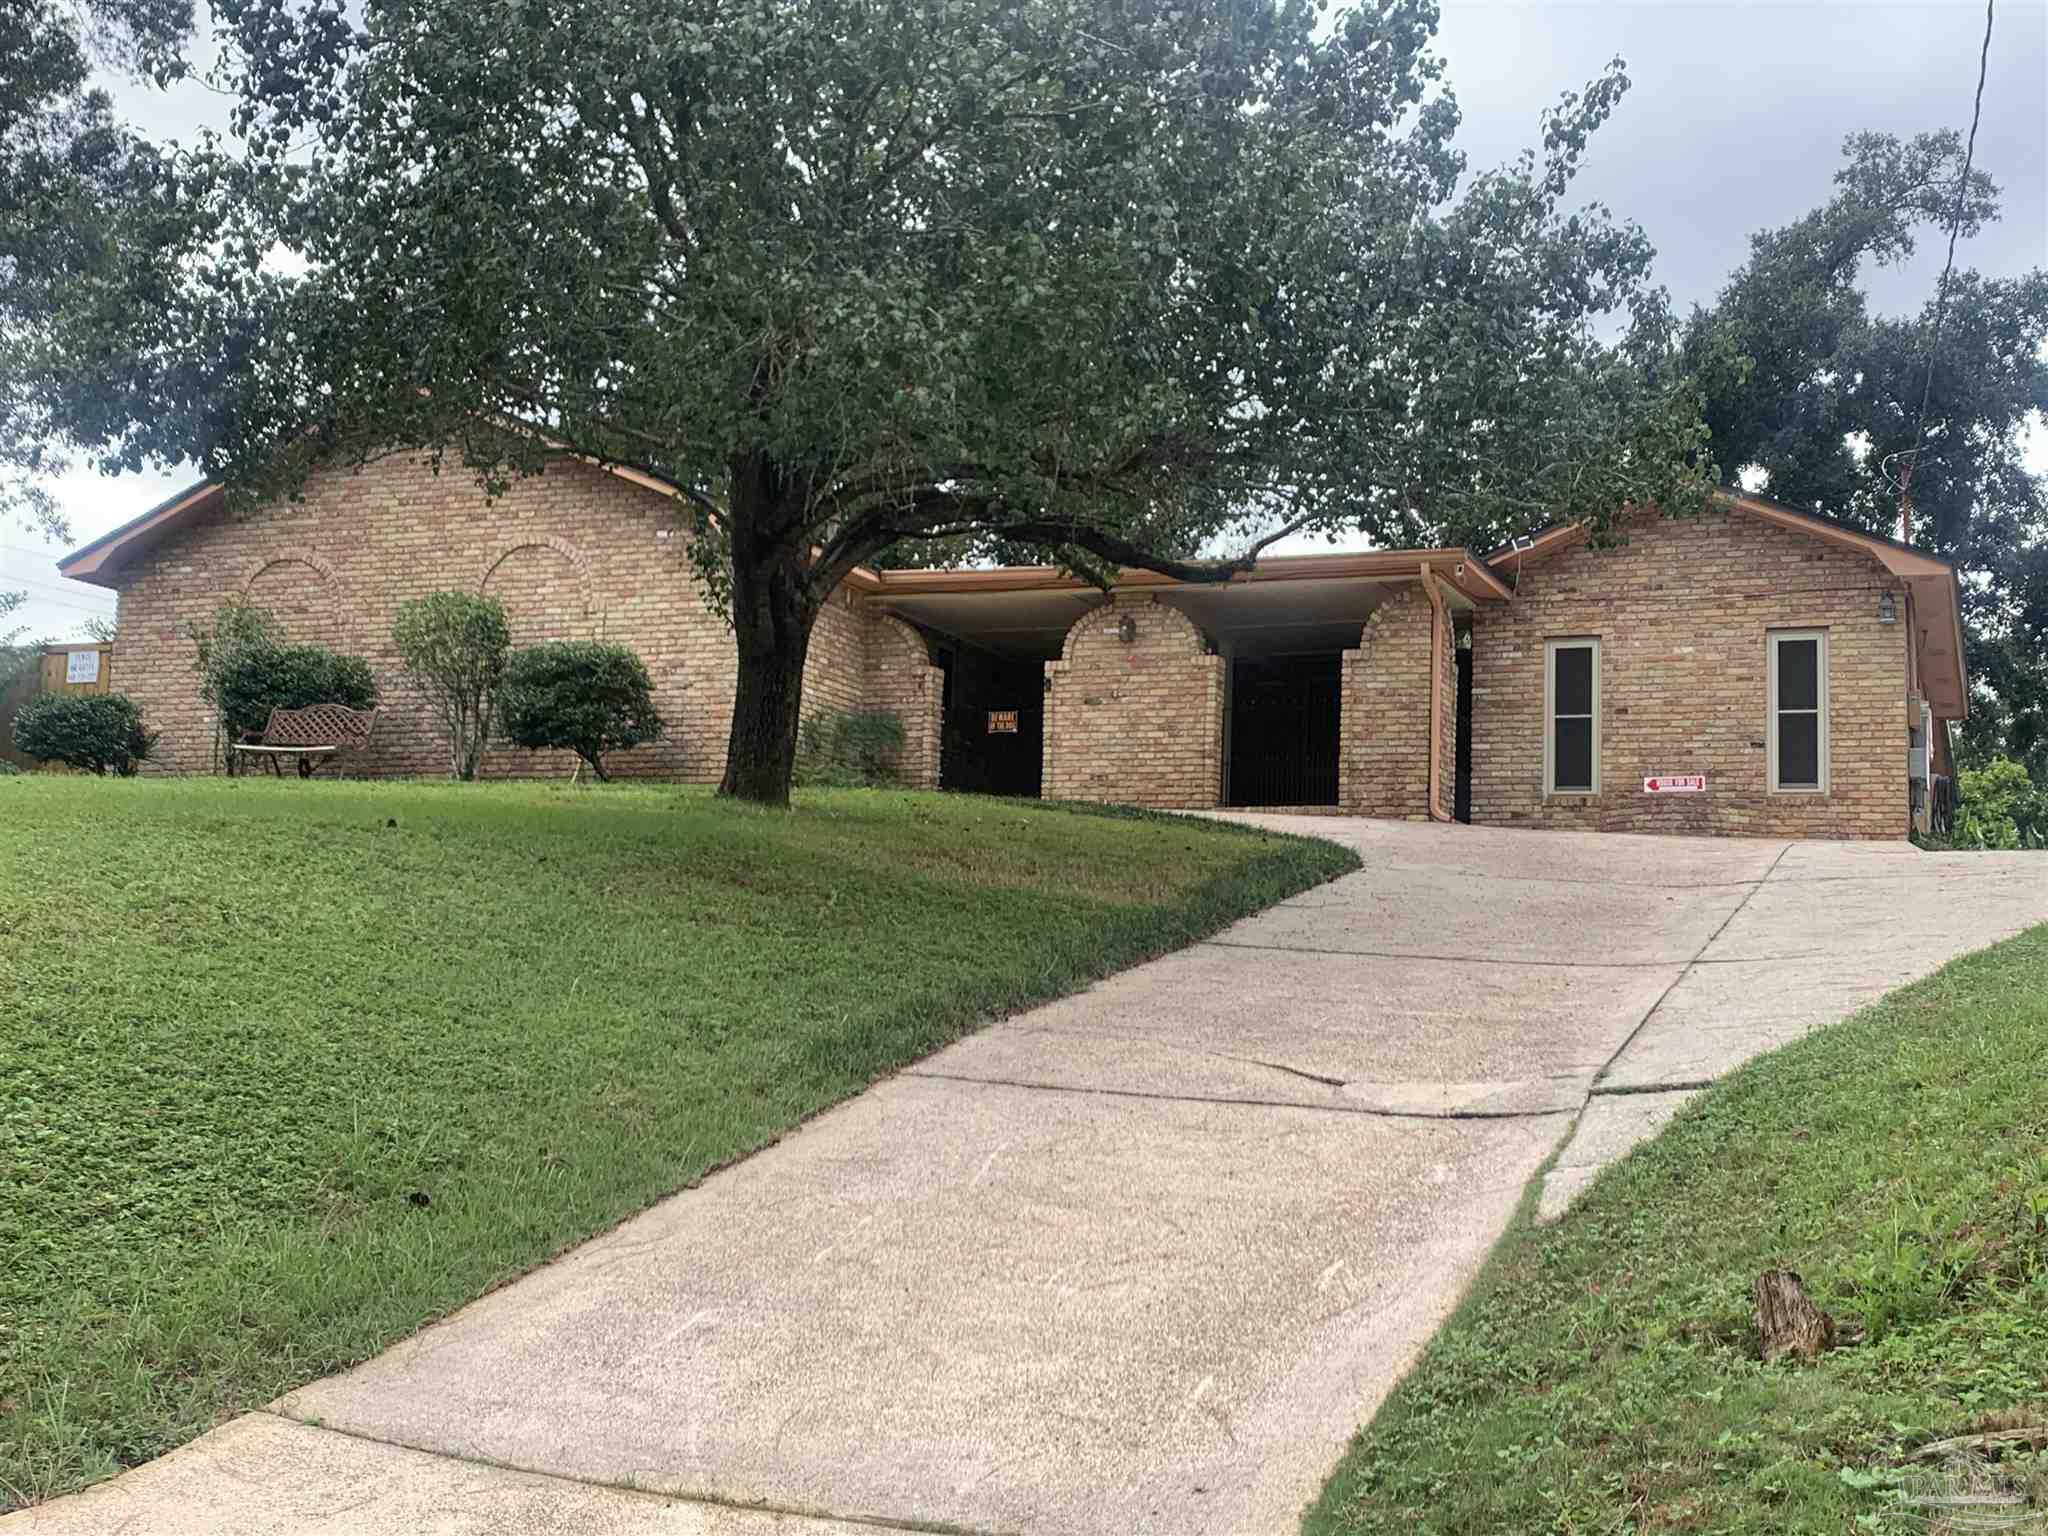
<point>1734,123</point>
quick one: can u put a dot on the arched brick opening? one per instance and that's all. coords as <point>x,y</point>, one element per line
<point>545,589</point>
<point>546,594</point>
<point>1134,708</point>
<point>300,591</point>
<point>899,677</point>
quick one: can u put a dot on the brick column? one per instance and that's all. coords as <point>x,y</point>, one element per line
<point>1134,709</point>
<point>900,678</point>
<point>1383,717</point>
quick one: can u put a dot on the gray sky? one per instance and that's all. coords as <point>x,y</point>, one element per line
<point>1734,123</point>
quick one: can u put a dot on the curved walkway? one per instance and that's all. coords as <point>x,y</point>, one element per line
<point>1138,1261</point>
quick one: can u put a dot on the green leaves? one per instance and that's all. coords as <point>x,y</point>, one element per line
<point>959,266</point>
<point>580,695</point>
<point>1799,380</point>
<point>454,646</point>
<point>94,732</point>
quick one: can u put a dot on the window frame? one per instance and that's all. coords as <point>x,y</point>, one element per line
<point>1550,649</point>
<point>1772,640</point>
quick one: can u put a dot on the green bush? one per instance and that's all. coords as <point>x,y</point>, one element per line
<point>454,646</point>
<point>7,770</point>
<point>838,749</point>
<point>577,695</point>
<point>237,627</point>
<point>97,732</point>
<point>1998,806</point>
<point>259,678</point>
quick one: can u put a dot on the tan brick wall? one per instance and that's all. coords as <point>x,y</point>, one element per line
<point>1683,611</point>
<point>901,679</point>
<point>573,554</point>
<point>1383,719</point>
<point>1138,722</point>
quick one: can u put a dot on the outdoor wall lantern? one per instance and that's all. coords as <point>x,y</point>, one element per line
<point>1887,609</point>
<point>1127,629</point>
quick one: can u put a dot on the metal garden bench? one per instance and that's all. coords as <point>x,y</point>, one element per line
<point>309,736</point>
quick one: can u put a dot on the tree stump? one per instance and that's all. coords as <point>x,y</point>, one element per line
<point>1787,1321</point>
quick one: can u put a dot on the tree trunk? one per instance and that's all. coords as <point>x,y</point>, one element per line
<point>1786,1321</point>
<point>773,611</point>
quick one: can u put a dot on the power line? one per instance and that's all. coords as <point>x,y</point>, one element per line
<point>42,575</point>
<point>51,602</point>
<point>1955,225</point>
<point>50,594</point>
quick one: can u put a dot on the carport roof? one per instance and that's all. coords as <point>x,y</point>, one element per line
<point>1469,580</point>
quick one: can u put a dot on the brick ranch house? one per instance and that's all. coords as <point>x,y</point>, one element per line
<point>1800,671</point>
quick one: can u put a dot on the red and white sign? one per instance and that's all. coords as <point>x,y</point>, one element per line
<point>1676,784</point>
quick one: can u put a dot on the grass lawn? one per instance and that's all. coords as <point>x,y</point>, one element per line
<point>1604,1375</point>
<point>288,1069</point>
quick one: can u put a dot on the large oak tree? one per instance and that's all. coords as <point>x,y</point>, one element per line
<point>1101,281</point>
<point>1802,384</point>
<point>87,219</point>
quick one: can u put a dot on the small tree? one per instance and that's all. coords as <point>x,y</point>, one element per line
<point>579,695</point>
<point>237,628</point>
<point>268,677</point>
<point>96,732</point>
<point>17,652</point>
<point>454,646</point>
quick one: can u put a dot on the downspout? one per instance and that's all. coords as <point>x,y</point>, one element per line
<point>1436,692</point>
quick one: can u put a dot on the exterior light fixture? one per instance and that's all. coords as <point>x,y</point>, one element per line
<point>1127,629</point>
<point>1887,609</point>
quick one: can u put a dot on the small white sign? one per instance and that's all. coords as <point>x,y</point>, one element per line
<point>82,667</point>
<point>1676,784</point>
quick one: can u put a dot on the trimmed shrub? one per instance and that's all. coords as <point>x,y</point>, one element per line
<point>580,696</point>
<point>96,732</point>
<point>837,749</point>
<point>238,626</point>
<point>8,770</point>
<point>257,679</point>
<point>454,646</point>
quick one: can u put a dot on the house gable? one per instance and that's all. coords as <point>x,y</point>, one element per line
<point>1684,610</point>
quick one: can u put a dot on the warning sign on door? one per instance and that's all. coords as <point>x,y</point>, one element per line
<point>1676,784</point>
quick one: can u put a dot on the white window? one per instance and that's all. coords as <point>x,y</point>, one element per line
<point>1798,725</point>
<point>1571,717</point>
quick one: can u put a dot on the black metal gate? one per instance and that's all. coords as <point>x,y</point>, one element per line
<point>1283,729</point>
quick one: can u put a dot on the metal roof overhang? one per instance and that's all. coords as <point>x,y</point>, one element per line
<point>1281,605</point>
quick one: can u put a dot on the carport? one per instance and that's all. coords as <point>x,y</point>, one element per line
<point>1309,699</point>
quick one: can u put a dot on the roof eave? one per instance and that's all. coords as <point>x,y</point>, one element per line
<point>98,561</point>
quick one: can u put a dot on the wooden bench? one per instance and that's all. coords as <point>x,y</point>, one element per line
<point>309,736</point>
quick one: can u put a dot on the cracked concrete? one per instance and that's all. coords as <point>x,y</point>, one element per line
<point>1138,1261</point>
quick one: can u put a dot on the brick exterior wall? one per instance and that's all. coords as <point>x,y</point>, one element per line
<point>1137,722</point>
<point>1683,611</point>
<point>902,680</point>
<point>1383,714</point>
<point>573,554</point>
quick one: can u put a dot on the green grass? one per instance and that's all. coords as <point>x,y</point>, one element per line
<point>287,1070</point>
<point>1603,1376</point>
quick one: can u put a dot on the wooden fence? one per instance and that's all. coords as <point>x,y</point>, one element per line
<point>55,672</point>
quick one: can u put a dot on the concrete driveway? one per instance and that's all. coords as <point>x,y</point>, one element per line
<point>1139,1261</point>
